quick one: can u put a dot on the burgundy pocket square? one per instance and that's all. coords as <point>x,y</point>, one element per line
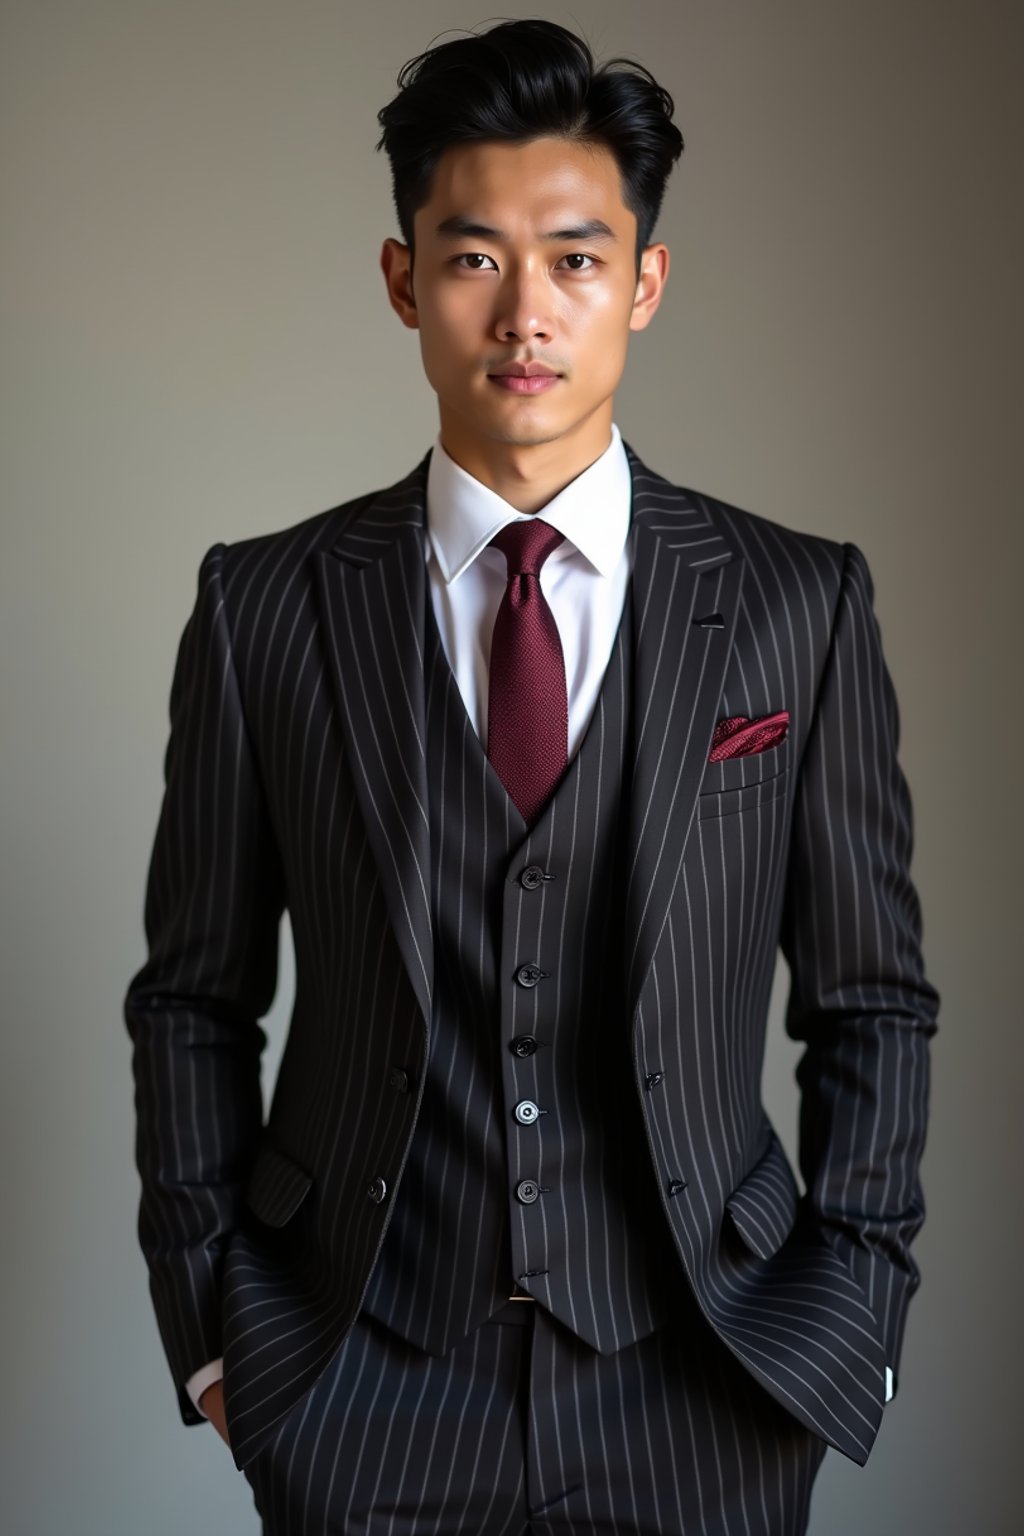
<point>739,736</point>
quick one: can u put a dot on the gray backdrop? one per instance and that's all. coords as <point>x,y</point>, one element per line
<point>196,346</point>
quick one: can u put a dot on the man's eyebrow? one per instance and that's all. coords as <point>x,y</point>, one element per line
<point>589,229</point>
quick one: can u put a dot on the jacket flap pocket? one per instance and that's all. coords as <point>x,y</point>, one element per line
<point>763,1208</point>
<point>277,1186</point>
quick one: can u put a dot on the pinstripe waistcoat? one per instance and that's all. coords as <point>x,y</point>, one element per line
<point>528,1162</point>
<point>296,776</point>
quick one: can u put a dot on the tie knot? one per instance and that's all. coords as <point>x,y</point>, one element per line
<point>526,544</point>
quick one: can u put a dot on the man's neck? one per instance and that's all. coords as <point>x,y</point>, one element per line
<point>527,475</point>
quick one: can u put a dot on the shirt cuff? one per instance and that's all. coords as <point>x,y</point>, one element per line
<point>203,1378</point>
<point>888,1382</point>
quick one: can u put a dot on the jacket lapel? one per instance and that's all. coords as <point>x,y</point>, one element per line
<point>686,588</point>
<point>372,589</point>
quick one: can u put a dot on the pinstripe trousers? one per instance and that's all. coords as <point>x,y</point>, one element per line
<point>523,1428</point>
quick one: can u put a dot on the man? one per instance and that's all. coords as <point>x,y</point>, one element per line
<point>546,757</point>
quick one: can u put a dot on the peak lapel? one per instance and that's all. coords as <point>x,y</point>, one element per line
<point>372,589</point>
<point>684,571</point>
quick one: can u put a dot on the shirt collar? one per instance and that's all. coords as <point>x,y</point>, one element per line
<point>463,514</point>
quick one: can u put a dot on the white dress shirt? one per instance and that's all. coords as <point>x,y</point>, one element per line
<point>584,581</point>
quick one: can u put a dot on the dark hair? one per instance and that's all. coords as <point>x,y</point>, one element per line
<point>522,80</point>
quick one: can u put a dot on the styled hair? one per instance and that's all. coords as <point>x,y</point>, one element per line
<point>522,80</point>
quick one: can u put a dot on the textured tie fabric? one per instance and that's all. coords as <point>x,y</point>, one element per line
<point>527,702</point>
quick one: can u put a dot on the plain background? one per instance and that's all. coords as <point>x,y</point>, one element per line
<point>196,346</point>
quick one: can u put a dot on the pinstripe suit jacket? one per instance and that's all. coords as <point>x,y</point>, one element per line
<point>295,777</point>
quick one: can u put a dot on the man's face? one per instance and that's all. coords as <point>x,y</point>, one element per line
<point>525,253</point>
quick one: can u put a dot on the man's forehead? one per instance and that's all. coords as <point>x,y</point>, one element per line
<point>541,168</point>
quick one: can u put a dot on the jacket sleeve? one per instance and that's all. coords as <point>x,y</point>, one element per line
<point>213,904</point>
<point>851,935</point>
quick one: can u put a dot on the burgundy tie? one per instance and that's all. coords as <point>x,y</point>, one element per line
<point>527,704</point>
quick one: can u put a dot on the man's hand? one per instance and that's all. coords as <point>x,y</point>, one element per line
<point>212,1404</point>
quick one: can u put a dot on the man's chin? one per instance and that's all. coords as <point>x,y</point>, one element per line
<point>527,437</point>
<point>522,428</point>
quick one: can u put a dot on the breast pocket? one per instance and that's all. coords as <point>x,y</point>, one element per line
<point>736,783</point>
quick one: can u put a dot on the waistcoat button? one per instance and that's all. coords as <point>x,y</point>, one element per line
<point>399,1079</point>
<point>526,1112</point>
<point>532,876</point>
<point>522,1045</point>
<point>527,1191</point>
<point>528,975</point>
<point>377,1189</point>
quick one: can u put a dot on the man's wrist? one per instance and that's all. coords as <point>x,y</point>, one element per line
<point>203,1378</point>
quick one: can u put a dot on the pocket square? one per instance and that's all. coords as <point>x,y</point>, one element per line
<point>739,736</point>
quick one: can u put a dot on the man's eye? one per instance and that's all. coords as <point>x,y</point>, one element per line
<point>578,256</point>
<point>474,258</point>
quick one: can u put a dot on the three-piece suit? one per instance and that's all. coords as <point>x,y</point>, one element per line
<point>525,1060</point>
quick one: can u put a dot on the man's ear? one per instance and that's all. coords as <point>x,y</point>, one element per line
<point>396,264</point>
<point>650,285</point>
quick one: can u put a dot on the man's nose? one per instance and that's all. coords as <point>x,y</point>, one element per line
<point>524,309</point>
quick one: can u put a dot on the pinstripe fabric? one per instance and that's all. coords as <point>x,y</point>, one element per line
<point>522,1427</point>
<point>460,1240</point>
<point>391,1439</point>
<point>296,774</point>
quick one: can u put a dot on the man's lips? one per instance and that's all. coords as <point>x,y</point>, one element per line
<point>532,384</point>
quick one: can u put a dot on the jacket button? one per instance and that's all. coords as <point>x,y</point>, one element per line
<point>529,974</point>
<point>522,1045</point>
<point>377,1189</point>
<point>532,876</point>
<point>526,1112</point>
<point>527,1191</point>
<point>399,1079</point>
